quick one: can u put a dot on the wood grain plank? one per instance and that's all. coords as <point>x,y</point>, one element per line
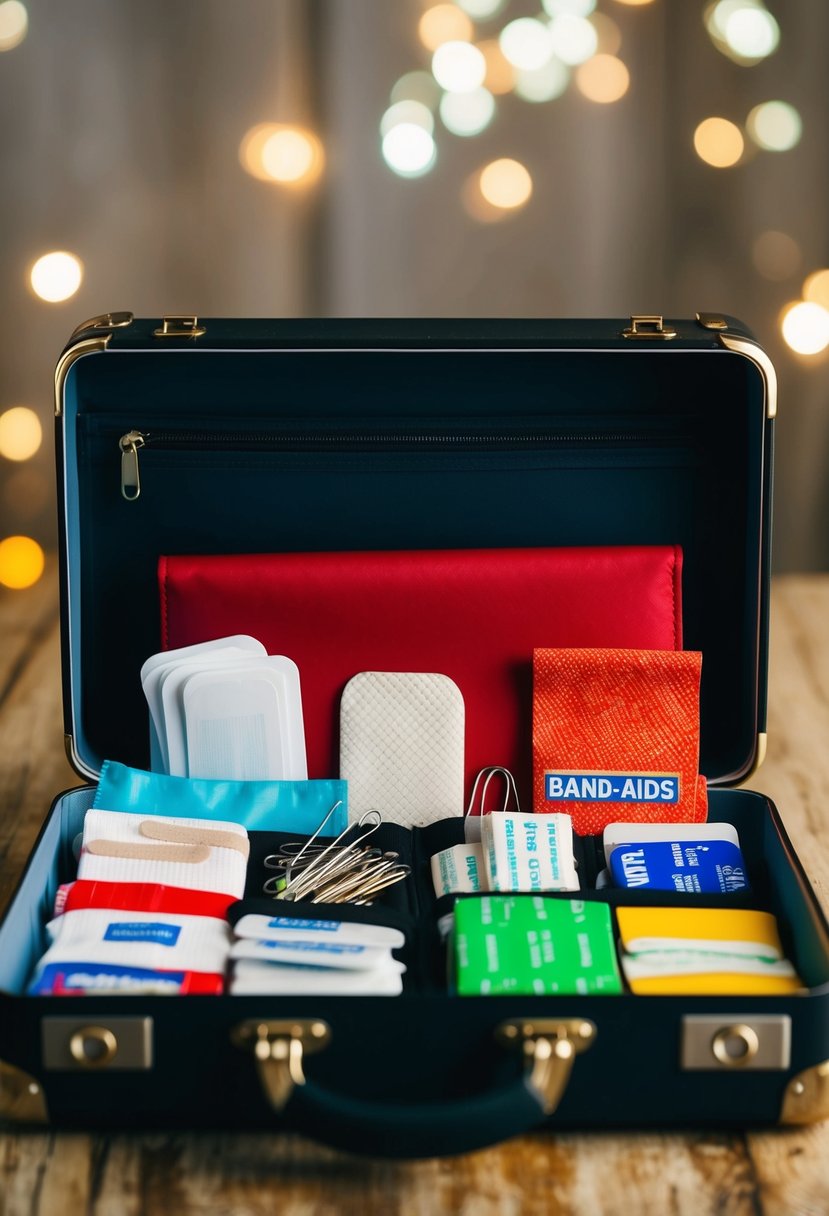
<point>773,1173</point>
<point>33,767</point>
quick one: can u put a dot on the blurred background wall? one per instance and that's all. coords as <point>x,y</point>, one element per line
<point>359,158</point>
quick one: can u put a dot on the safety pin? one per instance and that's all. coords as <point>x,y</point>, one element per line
<point>298,885</point>
<point>355,878</point>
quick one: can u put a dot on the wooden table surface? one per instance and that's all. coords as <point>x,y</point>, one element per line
<point>247,1175</point>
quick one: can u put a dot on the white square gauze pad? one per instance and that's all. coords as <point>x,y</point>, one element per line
<point>402,746</point>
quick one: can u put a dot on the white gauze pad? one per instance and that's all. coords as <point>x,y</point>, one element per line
<point>195,658</point>
<point>253,978</point>
<point>243,722</point>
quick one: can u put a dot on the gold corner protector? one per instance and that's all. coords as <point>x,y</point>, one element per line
<point>106,320</point>
<point>806,1097</point>
<point>87,346</point>
<point>22,1099</point>
<point>754,351</point>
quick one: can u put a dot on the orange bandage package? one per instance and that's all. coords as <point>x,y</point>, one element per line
<point>616,736</point>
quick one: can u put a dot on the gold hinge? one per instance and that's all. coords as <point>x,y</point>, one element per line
<point>645,326</point>
<point>279,1048</point>
<point>550,1047</point>
<point>179,327</point>
<point>712,320</point>
<point>22,1099</point>
<point>106,320</point>
<point>806,1097</point>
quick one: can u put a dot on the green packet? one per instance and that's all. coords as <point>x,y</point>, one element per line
<point>528,945</point>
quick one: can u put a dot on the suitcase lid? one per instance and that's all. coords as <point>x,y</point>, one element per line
<point>691,404</point>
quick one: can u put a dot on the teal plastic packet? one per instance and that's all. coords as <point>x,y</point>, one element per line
<point>260,806</point>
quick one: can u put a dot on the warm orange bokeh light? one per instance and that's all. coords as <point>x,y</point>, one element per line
<point>21,562</point>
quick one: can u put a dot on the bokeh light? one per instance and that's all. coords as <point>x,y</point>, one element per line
<point>603,79</point>
<point>751,33</point>
<point>417,86</point>
<point>409,150</point>
<point>56,276</point>
<point>634,3</point>
<point>292,156</point>
<point>500,74</point>
<point>608,34</point>
<point>775,126</point>
<point>467,113</point>
<point>776,255</point>
<point>14,22</point>
<point>744,30</point>
<point>21,562</point>
<point>805,327</point>
<point>526,43</point>
<point>505,184</point>
<point>481,10</point>
<point>20,433</point>
<point>458,67</point>
<point>816,288</point>
<point>578,8</point>
<point>443,23</point>
<point>274,152</point>
<point>718,142</point>
<point>407,111</point>
<point>574,39</point>
<point>545,83</point>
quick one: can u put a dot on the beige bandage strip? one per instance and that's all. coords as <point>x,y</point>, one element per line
<point>191,853</point>
<point>158,829</point>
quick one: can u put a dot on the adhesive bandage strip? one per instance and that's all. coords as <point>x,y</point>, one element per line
<point>222,870</point>
<point>170,831</point>
<point>156,940</point>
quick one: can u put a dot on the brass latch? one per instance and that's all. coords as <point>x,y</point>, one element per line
<point>550,1047</point>
<point>648,327</point>
<point>179,327</point>
<point>279,1048</point>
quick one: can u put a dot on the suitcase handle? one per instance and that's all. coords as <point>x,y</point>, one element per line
<point>549,1047</point>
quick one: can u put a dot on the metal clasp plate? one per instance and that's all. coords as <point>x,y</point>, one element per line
<point>550,1046</point>
<point>645,326</point>
<point>279,1047</point>
<point>179,327</point>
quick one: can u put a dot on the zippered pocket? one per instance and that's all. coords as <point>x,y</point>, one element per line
<point>373,440</point>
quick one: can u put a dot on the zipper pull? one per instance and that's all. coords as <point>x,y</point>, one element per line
<point>130,476</point>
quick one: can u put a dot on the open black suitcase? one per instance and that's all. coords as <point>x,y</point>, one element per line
<point>440,435</point>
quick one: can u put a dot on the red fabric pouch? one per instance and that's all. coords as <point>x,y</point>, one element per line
<point>475,615</point>
<point>616,736</point>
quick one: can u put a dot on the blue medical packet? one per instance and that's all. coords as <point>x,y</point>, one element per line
<point>710,867</point>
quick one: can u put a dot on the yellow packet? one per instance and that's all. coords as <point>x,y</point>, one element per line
<point>715,985</point>
<point>726,931</point>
